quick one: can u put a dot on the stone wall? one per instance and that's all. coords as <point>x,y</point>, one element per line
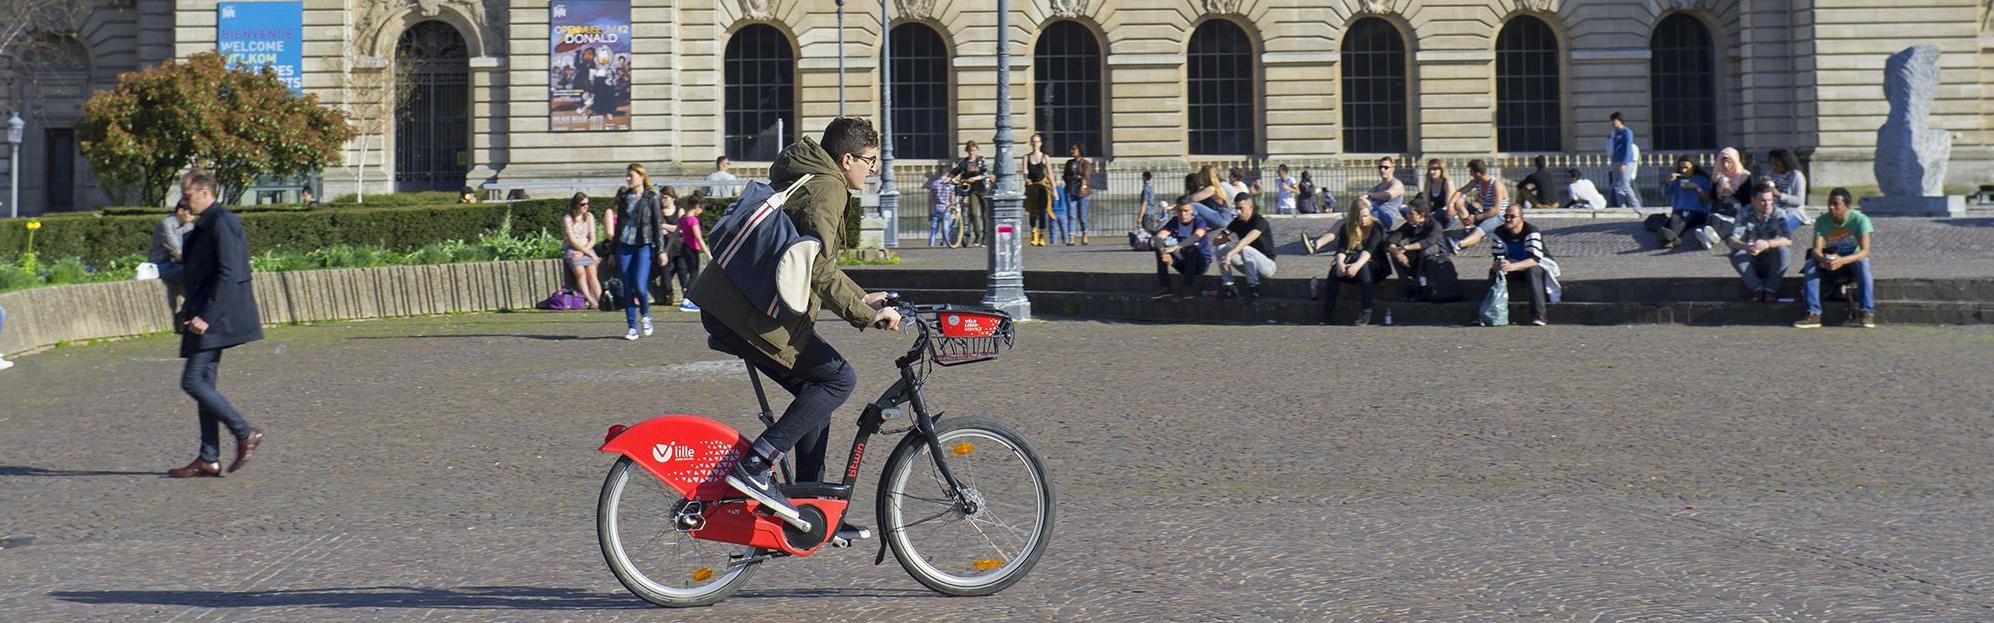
<point>43,317</point>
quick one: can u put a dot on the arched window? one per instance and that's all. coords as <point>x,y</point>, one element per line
<point>432,108</point>
<point>1374,88</point>
<point>1066,77</point>
<point>1682,84</point>
<point>1221,90</point>
<point>1527,91</point>
<point>920,93</point>
<point>761,90</point>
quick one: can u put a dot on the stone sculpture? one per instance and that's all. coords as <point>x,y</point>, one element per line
<point>1911,155</point>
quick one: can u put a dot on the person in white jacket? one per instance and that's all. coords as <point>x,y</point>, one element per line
<point>1580,193</point>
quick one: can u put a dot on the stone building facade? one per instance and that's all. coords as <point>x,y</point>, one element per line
<point>1131,79</point>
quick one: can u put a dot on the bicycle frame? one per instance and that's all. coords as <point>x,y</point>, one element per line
<point>692,455</point>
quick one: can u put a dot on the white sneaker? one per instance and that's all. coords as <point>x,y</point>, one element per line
<point>632,335</point>
<point>647,326</point>
<point>5,364</point>
<point>1707,236</point>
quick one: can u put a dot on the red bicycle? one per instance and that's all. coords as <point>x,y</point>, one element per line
<point>965,503</point>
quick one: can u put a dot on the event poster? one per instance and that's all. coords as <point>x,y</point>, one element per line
<point>254,35</point>
<point>589,69</point>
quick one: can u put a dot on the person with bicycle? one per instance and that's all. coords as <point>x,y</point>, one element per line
<point>791,352</point>
<point>973,180</point>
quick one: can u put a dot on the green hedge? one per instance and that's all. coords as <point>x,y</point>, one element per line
<point>98,238</point>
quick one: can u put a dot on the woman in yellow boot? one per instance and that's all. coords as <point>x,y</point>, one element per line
<point>1038,189</point>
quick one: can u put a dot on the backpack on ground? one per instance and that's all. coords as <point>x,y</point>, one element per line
<point>565,300</point>
<point>1440,281</point>
<point>612,294</point>
<point>1141,240</point>
<point>758,246</point>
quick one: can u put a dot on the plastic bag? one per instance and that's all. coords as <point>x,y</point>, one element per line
<point>1495,306</point>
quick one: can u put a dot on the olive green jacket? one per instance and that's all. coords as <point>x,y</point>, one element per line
<point>818,209</point>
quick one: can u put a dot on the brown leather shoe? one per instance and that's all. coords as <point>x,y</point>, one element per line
<point>245,447</point>
<point>196,469</point>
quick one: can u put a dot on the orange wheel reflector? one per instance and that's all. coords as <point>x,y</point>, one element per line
<point>986,564</point>
<point>963,448</point>
<point>703,574</point>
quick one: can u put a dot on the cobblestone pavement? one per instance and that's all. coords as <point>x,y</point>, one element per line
<point>1586,249</point>
<point>444,469</point>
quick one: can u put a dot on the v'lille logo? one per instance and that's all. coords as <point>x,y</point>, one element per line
<point>665,452</point>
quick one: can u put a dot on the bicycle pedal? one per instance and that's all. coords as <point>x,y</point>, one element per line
<point>844,538</point>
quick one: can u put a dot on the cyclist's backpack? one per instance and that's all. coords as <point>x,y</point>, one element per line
<point>757,244</point>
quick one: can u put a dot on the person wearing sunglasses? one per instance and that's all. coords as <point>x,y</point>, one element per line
<point>1520,257</point>
<point>1387,198</point>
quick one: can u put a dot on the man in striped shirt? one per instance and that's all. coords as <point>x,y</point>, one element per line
<point>1520,257</point>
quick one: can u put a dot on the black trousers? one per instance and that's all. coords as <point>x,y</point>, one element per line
<point>685,266</point>
<point>197,378</point>
<point>821,381</point>
<point>1532,280</point>
<point>1366,281</point>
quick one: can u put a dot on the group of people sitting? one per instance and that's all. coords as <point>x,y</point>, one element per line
<point>644,227</point>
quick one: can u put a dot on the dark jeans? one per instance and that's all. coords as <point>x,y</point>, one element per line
<point>1190,263</point>
<point>197,378</point>
<point>1366,282</point>
<point>976,218</point>
<point>685,266</point>
<point>1531,280</point>
<point>821,381</point>
<point>1681,221</point>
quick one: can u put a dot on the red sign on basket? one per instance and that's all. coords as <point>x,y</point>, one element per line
<point>959,324</point>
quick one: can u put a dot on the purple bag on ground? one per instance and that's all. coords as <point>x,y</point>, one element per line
<point>565,300</point>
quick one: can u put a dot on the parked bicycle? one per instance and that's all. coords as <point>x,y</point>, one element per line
<point>965,503</point>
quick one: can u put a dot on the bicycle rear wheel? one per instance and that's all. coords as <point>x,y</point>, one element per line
<point>983,551</point>
<point>652,554</point>
<point>952,235</point>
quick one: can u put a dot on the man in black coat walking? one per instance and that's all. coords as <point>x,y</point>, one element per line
<point>220,312</point>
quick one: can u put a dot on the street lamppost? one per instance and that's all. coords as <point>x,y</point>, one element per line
<point>14,127</point>
<point>1006,289</point>
<point>889,197</point>
<point>841,58</point>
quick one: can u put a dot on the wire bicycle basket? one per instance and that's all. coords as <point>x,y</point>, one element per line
<point>968,336</point>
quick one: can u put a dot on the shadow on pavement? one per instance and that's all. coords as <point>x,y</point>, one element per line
<point>469,597</point>
<point>837,592</point>
<point>550,338</point>
<point>23,470</point>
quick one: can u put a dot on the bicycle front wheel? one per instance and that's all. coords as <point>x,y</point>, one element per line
<point>1005,484</point>
<point>952,235</point>
<point>651,551</point>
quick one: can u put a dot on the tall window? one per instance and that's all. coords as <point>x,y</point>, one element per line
<point>1374,88</point>
<point>920,93</point>
<point>760,91</point>
<point>1220,81</point>
<point>1682,84</point>
<point>1527,104</point>
<point>1066,78</point>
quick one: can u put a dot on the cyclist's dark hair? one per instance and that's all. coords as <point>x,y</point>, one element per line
<point>848,135</point>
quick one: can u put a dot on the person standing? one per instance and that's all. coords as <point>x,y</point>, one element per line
<point>578,229</point>
<point>941,196</point>
<point>1143,218</point>
<point>723,171</point>
<point>1621,154</point>
<point>1079,187</point>
<point>1038,189</point>
<point>974,181</point>
<point>1284,191</point>
<point>691,248</point>
<point>168,238</point>
<point>1841,249</point>
<point>638,231</point>
<point>220,313</point>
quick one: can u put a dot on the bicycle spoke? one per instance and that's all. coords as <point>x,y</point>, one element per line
<point>927,519</point>
<point>928,500</point>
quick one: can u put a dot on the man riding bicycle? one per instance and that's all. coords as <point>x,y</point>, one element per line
<point>790,352</point>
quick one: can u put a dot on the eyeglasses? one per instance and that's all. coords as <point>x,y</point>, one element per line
<point>871,162</point>
<point>1384,167</point>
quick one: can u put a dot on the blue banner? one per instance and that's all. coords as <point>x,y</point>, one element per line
<point>253,35</point>
<point>588,68</point>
